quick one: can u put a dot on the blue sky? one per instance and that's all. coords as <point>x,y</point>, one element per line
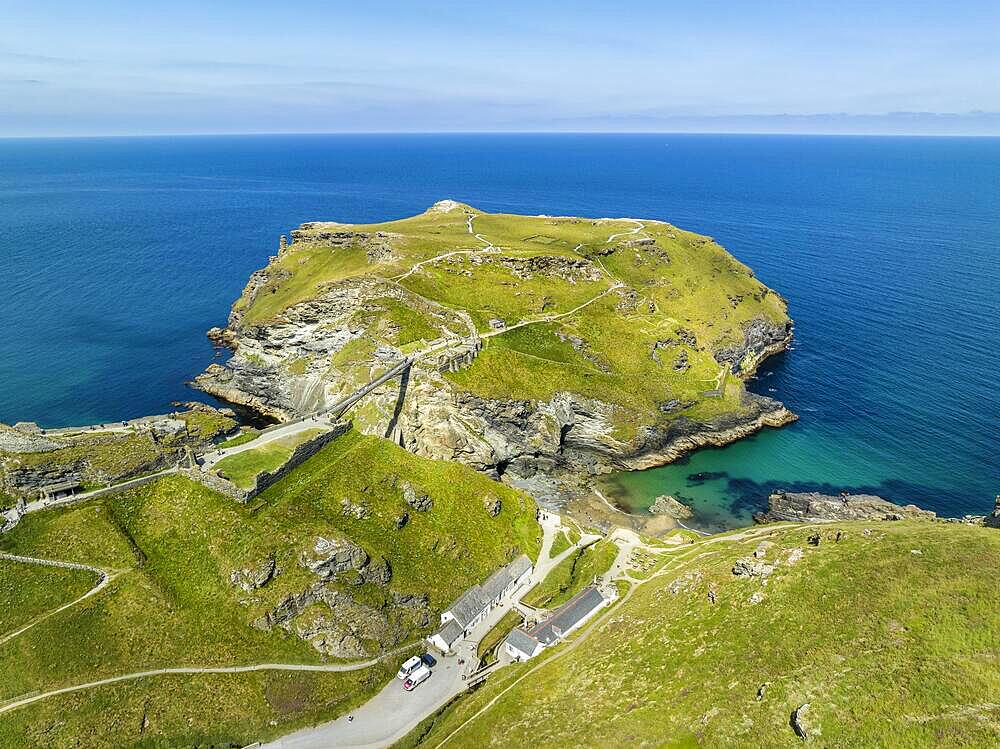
<point>216,66</point>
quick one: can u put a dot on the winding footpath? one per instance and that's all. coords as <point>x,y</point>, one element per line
<point>392,713</point>
<point>336,667</point>
<point>416,266</point>
<point>104,577</point>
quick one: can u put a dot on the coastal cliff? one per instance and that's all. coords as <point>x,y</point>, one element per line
<point>546,349</point>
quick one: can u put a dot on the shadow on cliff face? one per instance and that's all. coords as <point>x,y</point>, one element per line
<point>404,382</point>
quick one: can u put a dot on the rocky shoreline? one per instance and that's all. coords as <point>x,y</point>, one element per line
<point>552,449</point>
<point>289,364</point>
<point>813,507</point>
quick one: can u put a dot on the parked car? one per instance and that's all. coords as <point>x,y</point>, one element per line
<point>428,660</point>
<point>419,676</point>
<point>409,666</point>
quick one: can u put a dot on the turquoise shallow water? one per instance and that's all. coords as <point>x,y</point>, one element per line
<point>119,253</point>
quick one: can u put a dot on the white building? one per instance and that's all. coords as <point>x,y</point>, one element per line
<point>476,603</point>
<point>524,644</point>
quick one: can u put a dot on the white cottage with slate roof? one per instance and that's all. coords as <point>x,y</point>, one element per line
<point>475,604</point>
<point>524,644</point>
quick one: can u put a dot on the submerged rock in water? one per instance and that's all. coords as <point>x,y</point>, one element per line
<point>667,505</point>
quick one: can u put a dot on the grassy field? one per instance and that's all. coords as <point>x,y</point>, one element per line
<point>572,575</point>
<point>559,544</point>
<point>206,424</point>
<point>246,435</point>
<point>174,545</point>
<point>243,468</point>
<point>212,710</point>
<point>27,590</point>
<point>890,635</point>
<point>646,344</point>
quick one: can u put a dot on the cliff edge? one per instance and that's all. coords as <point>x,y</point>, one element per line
<point>546,348</point>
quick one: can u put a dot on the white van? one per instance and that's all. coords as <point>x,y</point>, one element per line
<point>419,676</point>
<point>411,665</point>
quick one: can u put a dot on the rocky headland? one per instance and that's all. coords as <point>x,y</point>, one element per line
<point>589,347</point>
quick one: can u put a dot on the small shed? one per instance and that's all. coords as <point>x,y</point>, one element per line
<point>60,490</point>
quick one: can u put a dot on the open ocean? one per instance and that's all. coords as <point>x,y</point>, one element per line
<point>119,253</point>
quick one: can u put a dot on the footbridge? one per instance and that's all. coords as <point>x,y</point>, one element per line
<point>340,407</point>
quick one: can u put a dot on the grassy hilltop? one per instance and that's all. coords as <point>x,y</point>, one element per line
<point>889,635</point>
<point>640,315</point>
<point>180,555</point>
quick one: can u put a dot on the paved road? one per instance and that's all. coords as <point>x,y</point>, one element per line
<point>393,712</point>
<point>386,717</point>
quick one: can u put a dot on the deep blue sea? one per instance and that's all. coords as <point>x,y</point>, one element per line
<point>119,253</point>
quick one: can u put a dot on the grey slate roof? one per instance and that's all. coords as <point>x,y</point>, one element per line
<point>567,616</point>
<point>468,605</point>
<point>475,599</point>
<point>522,641</point>
<point>61,486</point>
<point>504,577</point>
<point>450,632</point>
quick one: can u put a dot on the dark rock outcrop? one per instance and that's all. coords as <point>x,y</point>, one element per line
<point>993,519</point>
<point>492,505</point>
<point>419,501</point>
<point>330,557</point>
<point>255,576</point>
<point>761,338</point>
<point>799,721</point>
<point>812,507</point>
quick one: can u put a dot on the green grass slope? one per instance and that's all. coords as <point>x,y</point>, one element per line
<point>891,636</point>
<point>673,300</point>
<point>242,468</point>
<point>172,546</point>
<point>29,590</point>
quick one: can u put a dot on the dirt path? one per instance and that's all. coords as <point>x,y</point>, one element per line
<point>636,230</point>
<point>488,248</point>
<point>105,577</point>
<point>552,318</point>
<point>679,559</point>
<point>336,667</point>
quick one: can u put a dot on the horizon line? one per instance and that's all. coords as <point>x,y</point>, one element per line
<point>766,133</point>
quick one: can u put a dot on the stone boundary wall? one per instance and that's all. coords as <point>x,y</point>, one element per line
<point>301,453</point>
<point>12,518</point>
<point>263,480</point>
<point>459,357</point>
<point>216,483</point>
<point>53,563</point>
<point>116,487</point>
